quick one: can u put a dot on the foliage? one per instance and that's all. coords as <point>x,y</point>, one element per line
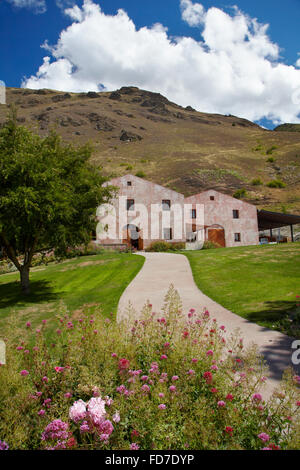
<point>271,150</point>
<point>256,182</point>
<point>166,381</point>
<point>276,184</point>
<point>240,193</point>
<point>48,195</point>
<point>140,174</point>
<point>208,245</point>
<point>165,246</point>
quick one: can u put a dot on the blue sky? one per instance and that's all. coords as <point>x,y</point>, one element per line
<point>24,29</point>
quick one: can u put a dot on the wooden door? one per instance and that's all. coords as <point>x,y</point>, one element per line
<point>216,235</point>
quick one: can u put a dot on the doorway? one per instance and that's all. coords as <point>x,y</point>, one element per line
<point>133,237</point>
<point>216,234</point>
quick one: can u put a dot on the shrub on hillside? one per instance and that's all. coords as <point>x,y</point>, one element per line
<point>256,182</point>
<point>276,184</point>
<point>240,193</point>
<point>163,381</point>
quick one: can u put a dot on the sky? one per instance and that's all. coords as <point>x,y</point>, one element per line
<point>240,57</point>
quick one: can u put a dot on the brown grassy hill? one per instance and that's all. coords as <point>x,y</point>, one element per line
<point>139,132</point>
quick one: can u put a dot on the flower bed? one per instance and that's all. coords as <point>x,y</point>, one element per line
<point>165,381</point>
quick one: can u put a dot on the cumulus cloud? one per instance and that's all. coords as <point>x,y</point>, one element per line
<point>38,6</point>
<point>192,13</point>
<point>233,68</point>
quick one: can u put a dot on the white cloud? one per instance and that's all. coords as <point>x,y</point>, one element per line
<point>38,6</point>
<point>64,4</point>
<point>233,68</point>
<point>192,13</point>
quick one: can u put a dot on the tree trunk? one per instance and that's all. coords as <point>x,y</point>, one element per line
<point>24,276</point>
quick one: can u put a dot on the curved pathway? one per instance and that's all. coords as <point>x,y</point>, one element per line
<point>162,269</point>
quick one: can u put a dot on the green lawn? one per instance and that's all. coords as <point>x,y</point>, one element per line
<point>97,279</point>
<point>259,283</point>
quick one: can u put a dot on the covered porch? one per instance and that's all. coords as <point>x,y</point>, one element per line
<point>270,221</point>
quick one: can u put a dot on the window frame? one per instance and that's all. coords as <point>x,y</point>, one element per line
<point>237,237</point>
<point>164,203</point>
<point>130,207</point>
<point>170,233</point>
<point>235,213</point>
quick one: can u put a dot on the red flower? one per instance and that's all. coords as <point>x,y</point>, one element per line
<point>229,430</point>
<point>208,377</point>
<point>123,364</point>
<point>71,442</point>
<point>134,434</point>
<point>214,390</point>
<point>229,397</point>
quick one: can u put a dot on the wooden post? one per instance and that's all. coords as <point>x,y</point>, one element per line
<point>292,233</point>
<point>271,235</point>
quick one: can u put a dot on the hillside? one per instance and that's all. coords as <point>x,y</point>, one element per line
<point>136,131</point>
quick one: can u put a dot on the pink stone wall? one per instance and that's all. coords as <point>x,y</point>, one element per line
<point>146,194</point>
<point>220,212</point>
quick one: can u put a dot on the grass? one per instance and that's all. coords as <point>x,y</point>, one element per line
<point>259,283</point>
<point>98,279</point>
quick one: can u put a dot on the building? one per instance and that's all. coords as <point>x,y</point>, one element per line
<point>227,221</point>
<point>143,212</point>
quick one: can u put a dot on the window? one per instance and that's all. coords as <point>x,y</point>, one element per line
<point>167,234</point>
<point>212,198</point>
<point>94,235</point>
<point>193,214</point>
<point>236,214</point>
<point>237,237</point>
<point>130,204</point>
<point>166,204</point>
<point>129,183</point>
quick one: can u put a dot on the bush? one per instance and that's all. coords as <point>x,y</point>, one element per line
<point>270,160</point>
<point>168,381</point>
<point>140,174</point>
<point>208,245</point>
<point>276,184</point>
<point>240,193</point>
<point>256,182</point>
<point>166,246</point>
<point>271,149</point>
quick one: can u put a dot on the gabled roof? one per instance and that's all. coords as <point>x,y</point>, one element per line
<point>144,181</point>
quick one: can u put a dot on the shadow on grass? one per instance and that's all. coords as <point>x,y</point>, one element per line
<point>11,295</point>
<point>274,311</point>
<point>277,350</point>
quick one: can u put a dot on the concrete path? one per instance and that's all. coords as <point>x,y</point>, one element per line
<point>162,269</point>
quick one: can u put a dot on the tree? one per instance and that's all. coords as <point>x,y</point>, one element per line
<point>49,193</point>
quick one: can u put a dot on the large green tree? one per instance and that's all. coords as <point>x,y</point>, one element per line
<point>49,193</point>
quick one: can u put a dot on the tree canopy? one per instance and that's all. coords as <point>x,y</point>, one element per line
<point>49,192</point>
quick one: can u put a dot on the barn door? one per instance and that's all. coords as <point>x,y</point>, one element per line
<point>216,235</point>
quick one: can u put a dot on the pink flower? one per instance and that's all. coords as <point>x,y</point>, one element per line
<point>77,411</point>
<point>163,356</point>
<point>161,395</point>
<point>19,348</point>
<point>41,412</point>
<point>221,404</point>
<point>214,367</point>
<point>167,345</point>
<point>214,390</point>
<point>84,427</point>
<point>222,327</point>
<point>24,372</point>
<point>68,395</point>
<point>256,397</point>
<point>145,388</point>
<point>191,372</point>
<point>116,417</point>
<point>113,355</point>
<point>210,353</point>
<point>59,369</point>
<point>264,437</point>
<point>194,360</point>
<point>174,378</point>
<point>28,324</point>
<point>162,406</point>
<point>144,378</point>
<point>134,446</point>
<point>96,410</point>
<point>172,388</point>
<point>45,379</point>
<point>298,403</point>
<point>208,377</point>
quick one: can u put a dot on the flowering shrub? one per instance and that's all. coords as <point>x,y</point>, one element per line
<point>163,381</point>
